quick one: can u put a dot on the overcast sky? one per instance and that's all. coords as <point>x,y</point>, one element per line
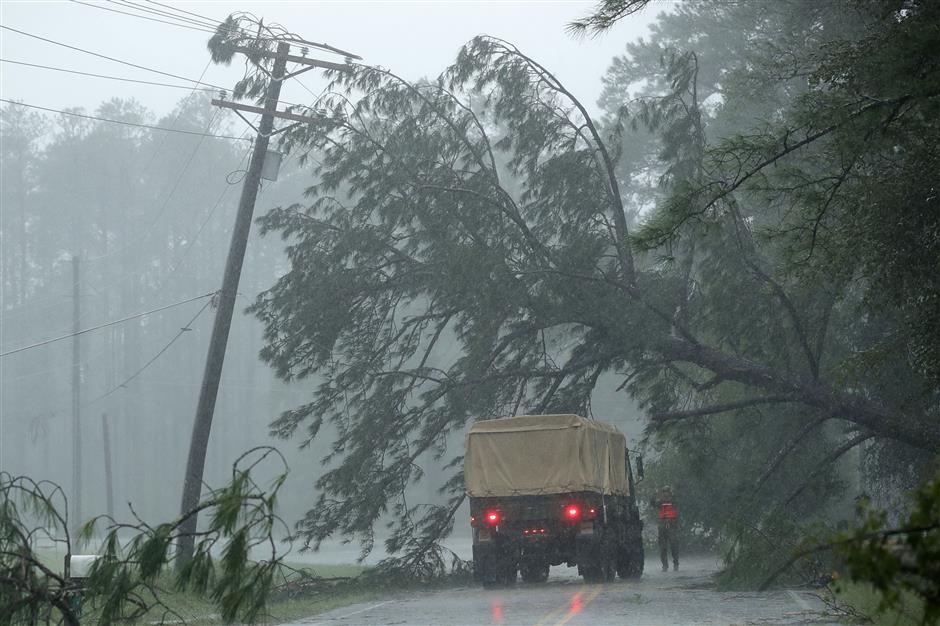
<point>414,39</point>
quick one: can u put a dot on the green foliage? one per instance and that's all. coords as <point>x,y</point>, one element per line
<point>858,603</point>
<point>30,590</point>
<point>757,551</point>
<point>899,561</point>
<point>807,133</point>
<point>128,579</point>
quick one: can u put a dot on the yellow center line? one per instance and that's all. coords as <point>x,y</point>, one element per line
<point>587,601</point>
<point>551,614</point>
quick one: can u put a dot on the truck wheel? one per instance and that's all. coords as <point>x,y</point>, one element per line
<point>597,572</point>
<point>534,571</point>
<point>630,561</point>
<point>630,567</point>
<point>592,573</point>
<point>490,581</point>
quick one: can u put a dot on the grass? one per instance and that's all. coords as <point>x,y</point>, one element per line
<point>861,601</point>
<point>199,610</point>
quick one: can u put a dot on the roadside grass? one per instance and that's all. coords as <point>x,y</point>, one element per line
<point>861,603</point>
<point>199,610</point>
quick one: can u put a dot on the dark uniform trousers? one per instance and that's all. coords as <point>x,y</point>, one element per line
<point>669,541</point>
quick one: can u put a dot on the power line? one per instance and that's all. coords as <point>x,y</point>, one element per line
<point>192,242</point>
<point>103,56</point>
<point>127,80</point>
<point>285,37</point>
<point>189,246</point>
<point>207,26</point>
<point>145,17</point>
<point>206,22</point>
<point>102,119</point>
<point>106,324</point>
<point>57,368</point>
<point>213,24</point>
<point>182,331</point>
<point>179,10</point>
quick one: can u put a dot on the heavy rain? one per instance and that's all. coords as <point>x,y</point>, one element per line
<point>463,312</point>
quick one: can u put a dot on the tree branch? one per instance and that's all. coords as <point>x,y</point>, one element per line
<point>668,416</point>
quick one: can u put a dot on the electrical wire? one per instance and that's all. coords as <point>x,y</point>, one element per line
<point>186,328</point>
<point>152,19</point>
<point>190,244</point>
<point>106,324</point>
<point>286,37</point>
<point>179,10</point>
<point>103,56</point>
<point>208,26</point>
<point>206,22</point>
<point>57,368</point>
<point>127,80</point>
<point>102,119</point>
<point>120,78</point>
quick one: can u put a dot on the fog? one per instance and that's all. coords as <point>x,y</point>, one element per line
<point>699,237</point>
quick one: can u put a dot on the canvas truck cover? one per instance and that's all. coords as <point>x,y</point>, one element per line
<point>544,454</point>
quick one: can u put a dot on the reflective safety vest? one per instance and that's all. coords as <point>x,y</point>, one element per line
<point>667,511</point>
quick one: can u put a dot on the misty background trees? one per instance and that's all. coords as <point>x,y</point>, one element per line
<point>149,214</point>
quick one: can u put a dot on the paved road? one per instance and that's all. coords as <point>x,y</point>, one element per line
<point>659,599</point>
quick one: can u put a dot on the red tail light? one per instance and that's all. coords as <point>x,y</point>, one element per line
<point>572,512</point>
<point>492,518</point>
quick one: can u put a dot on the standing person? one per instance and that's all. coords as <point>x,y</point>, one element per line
<point>668,527</point>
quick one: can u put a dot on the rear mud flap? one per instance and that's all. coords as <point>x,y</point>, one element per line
<point>494,556</point>
<point>589,550</point>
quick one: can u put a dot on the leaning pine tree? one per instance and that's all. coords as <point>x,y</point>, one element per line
<point>466,254</point>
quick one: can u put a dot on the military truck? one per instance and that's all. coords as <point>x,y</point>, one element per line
<point>551,489</point>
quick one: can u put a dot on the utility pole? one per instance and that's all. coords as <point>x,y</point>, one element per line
<point>76,395</point>
<point>208,393</point>
<point>108,481</point>
<point>192,487</point>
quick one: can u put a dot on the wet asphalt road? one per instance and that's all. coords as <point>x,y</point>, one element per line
<point>658,599</point>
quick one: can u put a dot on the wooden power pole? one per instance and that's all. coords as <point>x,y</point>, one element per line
<point>76,395</point>
<point>108,479</point>
<point>208,393</point>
